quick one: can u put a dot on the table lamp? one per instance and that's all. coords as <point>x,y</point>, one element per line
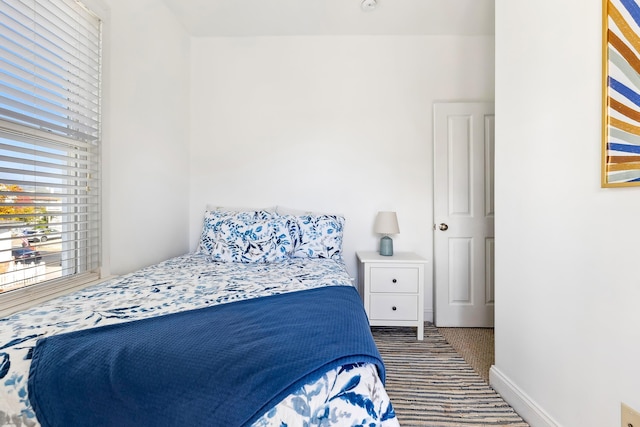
<point>386,223</point>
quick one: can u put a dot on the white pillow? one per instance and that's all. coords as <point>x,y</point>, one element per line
<point>283,210</point>
<point>212,207</point>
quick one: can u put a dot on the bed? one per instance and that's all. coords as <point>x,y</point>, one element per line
<point>254,272</point>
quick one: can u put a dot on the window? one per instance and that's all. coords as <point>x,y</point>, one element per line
<point>50,65</point>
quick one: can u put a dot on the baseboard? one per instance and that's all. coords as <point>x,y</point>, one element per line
<point>529,410</point>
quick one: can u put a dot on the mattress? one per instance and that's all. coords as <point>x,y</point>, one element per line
<point>185,283</point>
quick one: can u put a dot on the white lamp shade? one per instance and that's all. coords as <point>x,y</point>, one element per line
<point>386,223</point>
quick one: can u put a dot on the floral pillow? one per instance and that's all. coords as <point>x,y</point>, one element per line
<point>318,236</point>
<point>246,237</point>
<point>214,219</point>
<point>263,236</point>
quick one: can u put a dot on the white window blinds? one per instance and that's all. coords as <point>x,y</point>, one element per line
<point>50,64</point>
<point>51,67</point>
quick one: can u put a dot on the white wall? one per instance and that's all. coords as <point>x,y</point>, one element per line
<point>333,124</point>
<point>146,135</point>
<point>567,278</point>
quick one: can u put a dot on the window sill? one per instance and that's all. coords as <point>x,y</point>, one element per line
<point>23,298</point>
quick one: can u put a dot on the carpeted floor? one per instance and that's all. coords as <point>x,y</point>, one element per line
<point>475,345</point>
<point>431,385</point>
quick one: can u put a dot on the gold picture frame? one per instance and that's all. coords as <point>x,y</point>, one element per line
<point>621,93</point>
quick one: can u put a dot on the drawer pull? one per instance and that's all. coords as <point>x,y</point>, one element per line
<point>394,281</point>
<point>394,308</point>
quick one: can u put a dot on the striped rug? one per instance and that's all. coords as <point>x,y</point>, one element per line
<point>431,385</point>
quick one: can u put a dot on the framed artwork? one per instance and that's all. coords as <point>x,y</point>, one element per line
<point>621,93</point>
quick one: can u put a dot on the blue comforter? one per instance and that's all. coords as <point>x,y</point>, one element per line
<point>221,365</point>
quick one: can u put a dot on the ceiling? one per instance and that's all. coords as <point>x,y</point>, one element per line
<point>214,18</point>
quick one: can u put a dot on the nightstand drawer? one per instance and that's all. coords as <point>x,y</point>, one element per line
<point>394,279</point>
<point>393,307</point>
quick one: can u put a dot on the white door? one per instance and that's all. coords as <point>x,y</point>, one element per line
<point>463,214</point>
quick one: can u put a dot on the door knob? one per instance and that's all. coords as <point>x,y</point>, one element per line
<point>444,227</point>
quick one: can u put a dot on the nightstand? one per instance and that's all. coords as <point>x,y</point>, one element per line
<point>392,289</point>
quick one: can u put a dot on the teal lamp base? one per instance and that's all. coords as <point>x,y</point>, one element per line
<point>386,246</point>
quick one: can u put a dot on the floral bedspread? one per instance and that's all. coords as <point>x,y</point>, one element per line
<point>347,396</point>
